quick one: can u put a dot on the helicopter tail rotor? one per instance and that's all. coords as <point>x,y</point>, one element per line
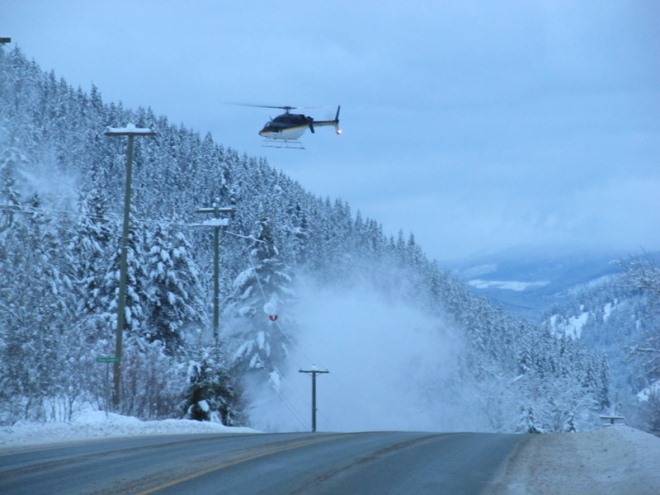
<point>337,129</point>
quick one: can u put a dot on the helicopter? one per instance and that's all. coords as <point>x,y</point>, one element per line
<point>285,129</point>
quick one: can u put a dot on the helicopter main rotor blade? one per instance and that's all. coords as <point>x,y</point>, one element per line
<point>282,107</point>
<point>286,108</point>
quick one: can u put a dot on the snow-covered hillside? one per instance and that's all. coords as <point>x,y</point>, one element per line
<point>582,297</point>
<point>301,279</point>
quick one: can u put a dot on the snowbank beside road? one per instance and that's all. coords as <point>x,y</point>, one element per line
<point>610,461</point>
<point>98,424</point>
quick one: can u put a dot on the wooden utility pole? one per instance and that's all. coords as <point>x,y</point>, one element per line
<point>313,372</point>
<point>217,223</point>
<point>130,131</point>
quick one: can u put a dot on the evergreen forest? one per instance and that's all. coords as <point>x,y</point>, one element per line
<point>281,251</point>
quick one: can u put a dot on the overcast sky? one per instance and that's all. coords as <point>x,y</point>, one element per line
<point>475,125</point>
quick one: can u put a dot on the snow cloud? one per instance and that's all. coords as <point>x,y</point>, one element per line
<point>56,188</point>
<point>391,367</point>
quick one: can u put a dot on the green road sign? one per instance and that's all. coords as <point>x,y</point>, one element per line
<point>107,359</point>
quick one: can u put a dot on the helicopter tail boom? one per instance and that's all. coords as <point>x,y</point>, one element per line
<point>334,123</point>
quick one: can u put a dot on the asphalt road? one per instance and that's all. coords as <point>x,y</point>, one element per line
<point>273,464</point>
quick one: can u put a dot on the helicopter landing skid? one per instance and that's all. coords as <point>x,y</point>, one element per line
<point>286,144</point>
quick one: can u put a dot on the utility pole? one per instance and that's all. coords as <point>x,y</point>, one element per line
<point>130,131</point>
<point>217,223</point>
<point>313,372</point>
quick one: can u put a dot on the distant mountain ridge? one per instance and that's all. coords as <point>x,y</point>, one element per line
<point>529,281</point>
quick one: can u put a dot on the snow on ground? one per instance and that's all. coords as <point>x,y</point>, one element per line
<point>89,425</point>
<point>648,392</point>
<point>611,461</point>
<point>571,328</point>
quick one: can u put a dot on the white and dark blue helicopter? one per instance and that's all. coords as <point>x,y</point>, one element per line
<point>284,130</point>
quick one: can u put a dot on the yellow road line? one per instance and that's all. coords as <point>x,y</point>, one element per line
<point>271,451</point>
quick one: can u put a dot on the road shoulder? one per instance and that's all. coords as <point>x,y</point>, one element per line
<point>609,461</point>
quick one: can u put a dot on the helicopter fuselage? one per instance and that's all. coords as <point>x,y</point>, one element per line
<point>290,126</point>
<point>287,126</point>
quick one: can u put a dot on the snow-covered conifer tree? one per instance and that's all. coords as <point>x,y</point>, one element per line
<point>35,304</point>
<point>213,394</point>
<point>259,295</point>
<point>87,251</point>
<point>174,297</point>
<point>137,295</point>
